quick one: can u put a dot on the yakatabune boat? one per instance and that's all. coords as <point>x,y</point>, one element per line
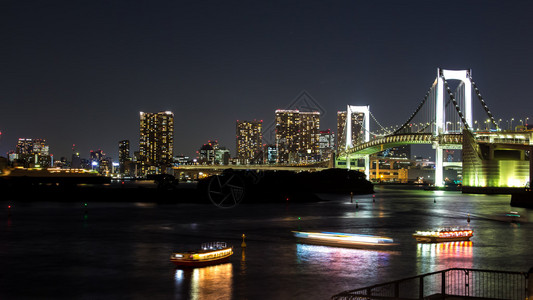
<point>209,254</point>
<point>444,235</point>
<point>339,239</point>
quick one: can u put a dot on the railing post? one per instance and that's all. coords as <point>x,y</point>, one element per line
<point>529,284</point>
<point>421,288</point>
<point>467,282</point>
<point>443,285</point>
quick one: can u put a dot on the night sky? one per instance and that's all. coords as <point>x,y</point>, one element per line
<point>79,72</point>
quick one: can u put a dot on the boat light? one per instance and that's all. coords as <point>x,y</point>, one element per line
<point>225,251</point>
<point>345,237</point>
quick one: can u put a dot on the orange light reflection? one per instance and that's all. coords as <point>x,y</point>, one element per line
<point>212,282</point>
<point>442,256</point>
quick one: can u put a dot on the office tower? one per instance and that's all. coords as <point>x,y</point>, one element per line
<point>326,144</point>
<point>75,159</point>
<point>206,153</point>
<point>123,155</point>
<point>24,146</point>
<point>98,161</point>
<point>33,153</point>
<point>249,141</point>
<point>287,138</point>
<point>357,129</point>
<point>96,156</point>
<point>32,146</point>
<point>309,136</point>
<point>212,153</point>
<point>270,154</point>
<point>297,135</point>
<point>156,143</point>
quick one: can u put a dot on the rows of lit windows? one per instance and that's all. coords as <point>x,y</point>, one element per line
<point>249,140</point>
<point>156,138</point>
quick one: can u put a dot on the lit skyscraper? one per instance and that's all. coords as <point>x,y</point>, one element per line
<point>309,135</point>
<point>297,135</point>
<point>287,139</point>
<point>270,154</point>
<point>326,144</point>
<point>32,146</point>
<point>156,143</point>
<point>123,154</point>
<point>249,141</point>
<point>98,160</point>
<point>33,153</point>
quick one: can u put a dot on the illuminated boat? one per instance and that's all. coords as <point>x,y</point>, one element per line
<point>338,239</point>
<point>513,216</point>
<point>444,235</point>
<point>210,254</point>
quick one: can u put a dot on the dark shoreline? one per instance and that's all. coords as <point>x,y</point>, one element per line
<point>251,187</point>
<point>141,191</point>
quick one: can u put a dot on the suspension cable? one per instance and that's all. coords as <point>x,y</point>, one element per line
<point>483,103</point>
<point>416,111</point>
<point>382,128</point>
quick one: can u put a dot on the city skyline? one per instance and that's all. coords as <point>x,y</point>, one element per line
<point>79,73</point>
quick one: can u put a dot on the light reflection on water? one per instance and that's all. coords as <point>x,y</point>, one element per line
<point>57,247</point>
<point>442,256</point>
<point>343,260</point>
<point>211,282</point>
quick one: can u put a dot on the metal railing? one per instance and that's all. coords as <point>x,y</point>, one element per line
<point>457,282</point>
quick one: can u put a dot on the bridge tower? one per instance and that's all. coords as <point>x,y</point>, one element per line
<point>365,110</point>
<point>440,117</point>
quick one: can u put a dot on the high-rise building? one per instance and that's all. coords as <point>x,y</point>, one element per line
<point>212,153</point>
<point>97,156</point>
<point>309,136</point>
<point>249,141</point>
<point>297,135</point>
<point>270,154</point>
<point>123,155</point>
<point>206,153</point>
<point>287,138</point>
<point>357,128</point>
<point>326,144</point>
<point>76,159</point>
<point>32,146</point>
<point>156,143</point>
<point>98,160</point>
<point>33,153</point>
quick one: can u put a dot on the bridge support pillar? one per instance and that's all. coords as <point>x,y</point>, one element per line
<point>439,167</point>
<point>367,167</point>
<point>348,162</point>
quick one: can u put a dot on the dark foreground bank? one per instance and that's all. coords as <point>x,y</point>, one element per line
<point>231,187</point>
